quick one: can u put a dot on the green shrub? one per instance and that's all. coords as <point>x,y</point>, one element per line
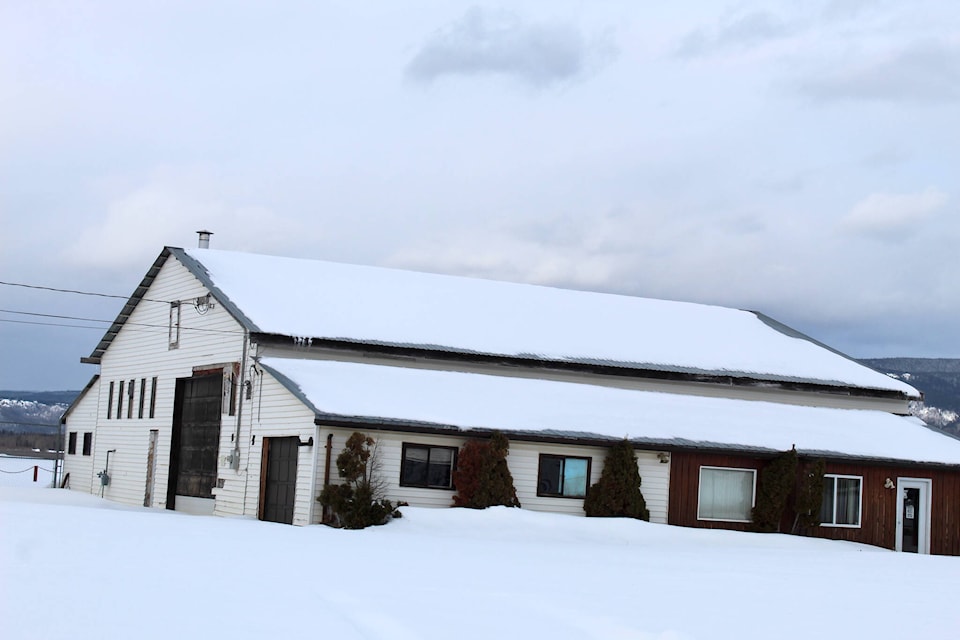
<point>617,494</point>
<point>359,501</point>
<point>777,480</point>
<point>482,477</point>
<point>809,496</point>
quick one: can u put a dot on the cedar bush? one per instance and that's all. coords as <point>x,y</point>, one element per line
<point>482,477</point>
<point>617,494</point>
<point>777,480</point>
<point>809,496</point>
<point>358,502</point>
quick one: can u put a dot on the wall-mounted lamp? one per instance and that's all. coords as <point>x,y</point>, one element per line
<point>663,457</point>
<point>308,443</point>
<point>888,484</point>
<point>203,304</point>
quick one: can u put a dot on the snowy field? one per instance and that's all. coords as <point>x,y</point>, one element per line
<point>75,566</point>
<point>18,472</point>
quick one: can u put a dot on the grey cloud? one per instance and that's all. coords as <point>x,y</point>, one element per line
<point>927,72</point>
<point>893,216</point>
<point>748,30</point>
<point>499,43</point>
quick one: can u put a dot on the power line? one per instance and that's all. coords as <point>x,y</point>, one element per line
<point>50,315</point>
<point>75,291</point>
<point>51,324</point>
<point>132,325</point>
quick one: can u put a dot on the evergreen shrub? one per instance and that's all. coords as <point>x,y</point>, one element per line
<point>359,501</point>
<point>482,477</point>
<point>617,494</point>
<point>809,496</point>
<point>777,481</point>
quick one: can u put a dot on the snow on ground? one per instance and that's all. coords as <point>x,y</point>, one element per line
<point>18,472</point>
<point>75,566</point>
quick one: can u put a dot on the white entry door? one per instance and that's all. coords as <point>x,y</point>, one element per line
<point>913,515</point>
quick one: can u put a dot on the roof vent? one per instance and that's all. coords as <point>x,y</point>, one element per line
<point>204,242</point>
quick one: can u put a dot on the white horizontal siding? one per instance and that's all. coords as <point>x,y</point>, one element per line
<point>82,419</point>
<point>273,412</point>
<point>140,352</point>
<point>523,461</point>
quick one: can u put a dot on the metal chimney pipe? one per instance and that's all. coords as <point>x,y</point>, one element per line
<point>204,242</point>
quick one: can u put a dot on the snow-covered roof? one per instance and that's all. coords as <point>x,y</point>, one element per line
<point>394,394</point>
<point>316,299</point>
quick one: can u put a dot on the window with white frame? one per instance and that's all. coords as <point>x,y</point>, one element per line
<point>563,476</point>
<point>842,498</point>
<point>726,494</point>
<point>428,467</point>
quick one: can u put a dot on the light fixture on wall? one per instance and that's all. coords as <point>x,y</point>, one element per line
<point>888,484</point>
<point>663,457</point>
<point>203,304</point>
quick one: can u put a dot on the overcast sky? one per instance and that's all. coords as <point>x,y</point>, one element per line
<point>798,158</point>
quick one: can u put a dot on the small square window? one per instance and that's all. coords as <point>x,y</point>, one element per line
<point>726,494</point>
<point>87,443</point>
<point>563,476</point>
<point>72,443</point>
<point>842,496</point>
<point>426,466</point>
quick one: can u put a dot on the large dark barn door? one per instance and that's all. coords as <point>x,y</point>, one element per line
<point>196,438</point>
<point>279,481</point>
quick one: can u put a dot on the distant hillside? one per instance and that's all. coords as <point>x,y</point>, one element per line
<point>30,420</point>
<point>937,378</point>
<point>33,411</point>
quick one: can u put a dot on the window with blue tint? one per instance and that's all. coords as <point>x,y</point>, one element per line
<point>426,466</point>
<point>563,476</point>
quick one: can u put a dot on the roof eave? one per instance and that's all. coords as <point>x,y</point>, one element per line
<point>195,268</point>
<point>679,445</point>
<point>618,370</point>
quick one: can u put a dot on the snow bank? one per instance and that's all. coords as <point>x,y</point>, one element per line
<point>18,472</point>
<point>75,570</point>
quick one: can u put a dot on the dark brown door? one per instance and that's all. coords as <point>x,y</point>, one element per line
<point>280,479</point>
<point>196,437</point>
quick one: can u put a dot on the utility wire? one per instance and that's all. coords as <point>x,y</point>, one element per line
<point>51,324</point>
<point>50,315</point>
<point>81,293</point>
<point>76,326</point>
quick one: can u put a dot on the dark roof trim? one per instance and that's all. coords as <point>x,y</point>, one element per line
<point>593,368</point>
<point>678,445</point>
<point>200,273</point>
<point>131,304</point>
<point>76,401</point>
<point>290,386</point>
<point>138,295</point>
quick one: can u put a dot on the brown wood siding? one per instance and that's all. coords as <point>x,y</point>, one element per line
<point>685,485</point>
<point>878,518</point>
